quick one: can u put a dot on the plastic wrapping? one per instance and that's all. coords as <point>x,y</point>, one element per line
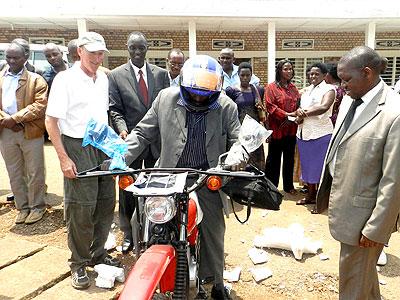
<point>291,238</point>
<point>251,136</point>
<point>103,137</point>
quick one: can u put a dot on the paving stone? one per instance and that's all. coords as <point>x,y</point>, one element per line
<point>13,250</point>
<point>64,291</point>
<point>30,275</point>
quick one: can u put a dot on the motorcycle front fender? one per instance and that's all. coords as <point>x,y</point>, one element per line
<point>156,266</point>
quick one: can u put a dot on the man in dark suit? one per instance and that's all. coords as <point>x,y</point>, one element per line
<point>133,88</point>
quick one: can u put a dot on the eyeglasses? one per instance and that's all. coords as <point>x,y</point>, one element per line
<point>179,65</point>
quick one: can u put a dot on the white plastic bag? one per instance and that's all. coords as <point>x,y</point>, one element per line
<point>107,275</point>
<point>251,136</point>
<point>291,238</point>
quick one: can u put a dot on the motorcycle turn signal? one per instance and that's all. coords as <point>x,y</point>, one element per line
<point>214,183</point>
<point>125,181</point>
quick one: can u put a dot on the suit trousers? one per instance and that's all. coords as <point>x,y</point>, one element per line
<point>276,147</point>
<point>358,277</point>
<point>212,231</point>
<point>127,200</point>
<point>24,161</point>
<point>89,206</point>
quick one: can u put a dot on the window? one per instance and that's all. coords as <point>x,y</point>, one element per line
<point>160,62</point>
<point>392,73</point>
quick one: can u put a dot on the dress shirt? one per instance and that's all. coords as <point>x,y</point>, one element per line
<point>175,81</point>
<point>9,87</point>
<point>366,100</point>
<point>234,79</point>
<point>144,72</point>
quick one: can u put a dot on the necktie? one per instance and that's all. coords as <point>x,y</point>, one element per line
<point>350,114</point>
<point>346,124</point>
<point>143,88</point>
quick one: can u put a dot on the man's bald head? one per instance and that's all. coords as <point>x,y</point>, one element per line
<point>53,55</point>
<point>361,57</point>
<point>359,70</point>
<point>24,44</point>
<point>226,59</point>
<point>227,51</point>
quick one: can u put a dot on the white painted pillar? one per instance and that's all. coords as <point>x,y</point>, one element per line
<point>82,26</point>
<point>370,29</point>
<point>271,51</point>
<point>192,39</point>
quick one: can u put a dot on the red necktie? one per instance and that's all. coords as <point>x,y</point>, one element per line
<point>143,88</point>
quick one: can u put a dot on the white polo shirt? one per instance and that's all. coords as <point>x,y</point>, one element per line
<point>75,99</point>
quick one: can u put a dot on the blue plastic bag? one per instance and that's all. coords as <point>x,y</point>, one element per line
<point>103,137</point>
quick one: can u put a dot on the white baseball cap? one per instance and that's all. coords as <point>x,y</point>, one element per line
<point>92,41</point>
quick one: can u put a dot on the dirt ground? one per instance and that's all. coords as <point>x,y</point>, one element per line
<point>308,278</point>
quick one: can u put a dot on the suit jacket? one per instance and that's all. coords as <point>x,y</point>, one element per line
<point>31,97</point>
<point>126,104</point>
<point>168,119</point>
<point>364,194</point>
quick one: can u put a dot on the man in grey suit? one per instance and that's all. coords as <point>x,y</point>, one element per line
<point>361,177</point>
<point>196,124</point>
<point>132,90</point>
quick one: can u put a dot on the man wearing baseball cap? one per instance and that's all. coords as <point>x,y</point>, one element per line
<point>77,95</point>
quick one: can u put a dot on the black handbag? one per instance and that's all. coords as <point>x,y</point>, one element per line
<point>259,193</point>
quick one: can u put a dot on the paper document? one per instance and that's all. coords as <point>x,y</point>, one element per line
<point>158,184</point>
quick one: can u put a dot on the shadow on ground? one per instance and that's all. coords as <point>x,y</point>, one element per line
<point>3,193</point>
<point>392,269</point>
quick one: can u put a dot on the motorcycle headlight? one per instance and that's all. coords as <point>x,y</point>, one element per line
<point>160,209</point>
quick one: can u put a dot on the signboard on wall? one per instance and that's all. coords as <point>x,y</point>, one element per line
<point>45,40</point>
<point>387,44</point>
<point>160,44</point>
<point>297,44</point>
<point>218,44</point>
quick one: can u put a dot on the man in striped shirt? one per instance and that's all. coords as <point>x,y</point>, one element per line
<point>196,124</point>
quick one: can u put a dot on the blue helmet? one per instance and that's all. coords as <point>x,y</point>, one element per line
<point>201,75</point>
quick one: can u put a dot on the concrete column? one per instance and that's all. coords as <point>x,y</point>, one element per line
<point>271,51</point>
<point>82,26</point>
<point>370,29</point>
<point>192,39</point>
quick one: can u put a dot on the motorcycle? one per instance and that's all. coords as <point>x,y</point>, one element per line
<point>165,223</point>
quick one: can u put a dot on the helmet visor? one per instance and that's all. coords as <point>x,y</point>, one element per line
<point>199,92</point>
<point>203,73</point>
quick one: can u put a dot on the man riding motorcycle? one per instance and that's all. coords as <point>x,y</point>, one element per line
<point>196,124</point>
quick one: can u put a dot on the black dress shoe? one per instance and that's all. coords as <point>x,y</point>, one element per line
<point>219,292</point>
<point>126,246</point>
<point>10,197</point>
